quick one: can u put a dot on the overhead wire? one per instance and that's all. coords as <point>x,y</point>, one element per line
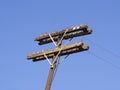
<point>103,48</point>
<point>103,59</point>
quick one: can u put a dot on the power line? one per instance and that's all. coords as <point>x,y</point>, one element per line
<point>103,59</point>
<point>103,48</point>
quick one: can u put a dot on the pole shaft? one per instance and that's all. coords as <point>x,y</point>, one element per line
<point>52,69</point>
<point>50,76</point>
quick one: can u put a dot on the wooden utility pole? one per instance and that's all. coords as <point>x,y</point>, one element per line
<point>57,38</point>
<point>50,76</point>
<point>52,68</point>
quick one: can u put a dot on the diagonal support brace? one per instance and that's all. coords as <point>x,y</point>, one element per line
<point>52,39</point>
<point>48,60</point>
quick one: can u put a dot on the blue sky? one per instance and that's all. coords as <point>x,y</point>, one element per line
<point>23,20</point>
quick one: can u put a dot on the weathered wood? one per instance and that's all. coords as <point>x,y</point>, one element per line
<point>69,49</point>
<point>67,36</point>
<point>69,30</point>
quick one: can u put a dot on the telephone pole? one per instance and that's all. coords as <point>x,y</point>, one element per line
<point>57,38</point>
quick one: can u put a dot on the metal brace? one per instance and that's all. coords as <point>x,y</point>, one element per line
<point>52,39</point>
<point>48,60</point>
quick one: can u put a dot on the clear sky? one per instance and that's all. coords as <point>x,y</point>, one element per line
<point>23,20</point>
